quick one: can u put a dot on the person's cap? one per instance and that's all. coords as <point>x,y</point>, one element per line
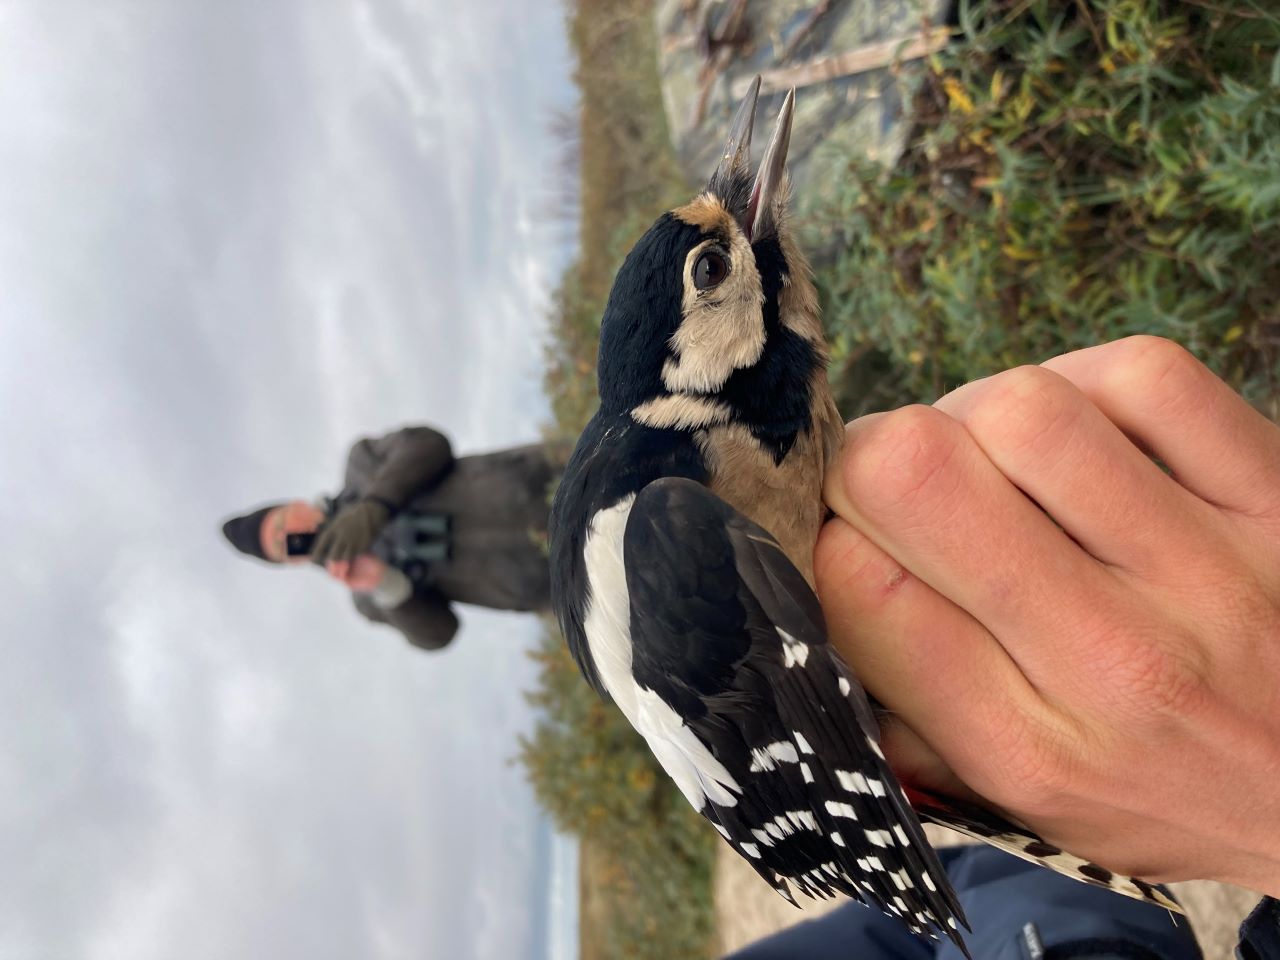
<point>245,533</point>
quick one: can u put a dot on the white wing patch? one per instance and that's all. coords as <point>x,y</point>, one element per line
<point>685,758</point>
<point>698,774</point>
<point>608,620</point>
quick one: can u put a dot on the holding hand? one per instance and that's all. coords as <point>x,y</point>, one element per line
<point>352,531</point>
<point>1057,624</point>
<point>361,575</point>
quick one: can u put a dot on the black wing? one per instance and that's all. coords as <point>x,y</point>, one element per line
<point>726,632</point>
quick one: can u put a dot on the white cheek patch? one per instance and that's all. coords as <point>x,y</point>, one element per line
<point>681,412</point>
<point>721,330</point>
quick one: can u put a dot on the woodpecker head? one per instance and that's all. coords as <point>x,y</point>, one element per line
<point>714,314</point>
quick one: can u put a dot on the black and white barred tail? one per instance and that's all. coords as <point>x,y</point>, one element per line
<point>989,828</point>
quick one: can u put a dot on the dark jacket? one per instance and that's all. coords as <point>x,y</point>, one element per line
<point>496,504</point>
<point>1260,932</point>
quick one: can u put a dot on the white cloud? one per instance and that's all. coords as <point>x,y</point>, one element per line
<point>233,236</point>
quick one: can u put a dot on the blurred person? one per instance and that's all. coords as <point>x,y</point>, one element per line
<point>414,530</point>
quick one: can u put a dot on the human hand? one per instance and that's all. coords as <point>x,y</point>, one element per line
<point>351,532</point>
<point>1089,643</point>
<point>361,575</point>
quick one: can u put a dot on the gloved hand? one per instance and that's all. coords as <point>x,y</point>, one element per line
<point>351,532</point>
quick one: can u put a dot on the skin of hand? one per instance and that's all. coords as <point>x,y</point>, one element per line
<point>361,575</point>
<point>1061,627</point>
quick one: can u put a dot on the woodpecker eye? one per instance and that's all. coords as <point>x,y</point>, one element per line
<point>710,270</point>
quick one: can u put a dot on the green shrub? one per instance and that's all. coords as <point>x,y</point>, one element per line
<point>1079,172</point>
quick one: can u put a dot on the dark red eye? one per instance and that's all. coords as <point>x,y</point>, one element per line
<point>710,270</point>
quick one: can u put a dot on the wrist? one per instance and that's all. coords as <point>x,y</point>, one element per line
<point>383,502</point>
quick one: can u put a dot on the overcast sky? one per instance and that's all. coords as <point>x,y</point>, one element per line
<point>234,236</point>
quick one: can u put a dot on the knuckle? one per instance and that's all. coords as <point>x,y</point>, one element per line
<point>1025,412</point>
<point>1155,678</point>
<point>1159,369</point>
<point>900,459</point>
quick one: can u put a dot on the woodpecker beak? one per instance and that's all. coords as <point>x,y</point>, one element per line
<point>753,202</point>
<point>732,179</point>
<point>770,186</point>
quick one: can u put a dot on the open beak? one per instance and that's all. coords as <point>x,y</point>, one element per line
<point>752,202</point>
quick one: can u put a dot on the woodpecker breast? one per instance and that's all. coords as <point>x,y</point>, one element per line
<point>784,498</point>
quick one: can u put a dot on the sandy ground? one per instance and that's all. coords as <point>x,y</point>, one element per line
<point>747,908</point>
